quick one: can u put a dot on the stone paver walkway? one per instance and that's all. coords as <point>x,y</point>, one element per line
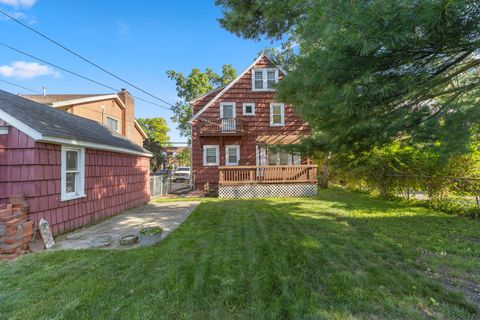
<point>166,215</point>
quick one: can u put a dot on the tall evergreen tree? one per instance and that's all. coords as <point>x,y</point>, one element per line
<point>372,72</point>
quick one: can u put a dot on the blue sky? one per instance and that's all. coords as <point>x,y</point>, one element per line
<point>138,41</point>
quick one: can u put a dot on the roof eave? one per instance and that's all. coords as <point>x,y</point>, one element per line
<point>64,103</point>
<point>38,137</point>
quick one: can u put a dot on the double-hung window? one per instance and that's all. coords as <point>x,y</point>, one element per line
<point>264,79</point>
<point>112,123</point>
<point>277,114</point>
<point>72,173</point>
<point>232,155</point>
<point>210,155</point>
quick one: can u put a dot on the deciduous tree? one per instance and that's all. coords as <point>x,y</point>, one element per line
<point>157,138</point>
<point>194,85</point>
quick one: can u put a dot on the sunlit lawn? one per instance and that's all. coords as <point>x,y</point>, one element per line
<point>341,256</point>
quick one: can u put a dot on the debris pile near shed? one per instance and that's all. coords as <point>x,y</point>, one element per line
<point>15,229</point>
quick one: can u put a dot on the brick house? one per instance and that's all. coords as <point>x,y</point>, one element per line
<point>117,111</point>
<point>236,133</point>
<point>71,170</point>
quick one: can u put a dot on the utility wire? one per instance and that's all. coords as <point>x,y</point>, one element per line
<point>76,74</point>
<point>19,86</point>
<point>83,58</point>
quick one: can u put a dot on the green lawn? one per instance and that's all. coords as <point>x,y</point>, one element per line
<point>340,256</point>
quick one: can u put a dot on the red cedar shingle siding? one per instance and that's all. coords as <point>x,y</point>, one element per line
<point>114,182</point>
<point>255,126</point>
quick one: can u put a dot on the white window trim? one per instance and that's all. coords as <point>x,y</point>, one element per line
<point>237,150</point>
<point>4,130</point>
<point>118,123</point>
<point>80,190</point>
<point>264,78</point>
<point>205,164</point>
<point>282,115</point>
<point>228,104</point>
<point>245,104</point>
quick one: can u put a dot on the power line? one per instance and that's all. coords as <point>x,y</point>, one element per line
<point>19,86</point>
<point>76,74</point>
<point>83,58</point>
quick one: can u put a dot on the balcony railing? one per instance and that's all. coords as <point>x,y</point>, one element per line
<point>237,175</point>
<point>218,127</point>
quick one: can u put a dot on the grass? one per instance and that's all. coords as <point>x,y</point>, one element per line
<point>343,255</point>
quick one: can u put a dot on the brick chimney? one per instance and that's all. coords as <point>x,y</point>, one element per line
<point>128,126</point>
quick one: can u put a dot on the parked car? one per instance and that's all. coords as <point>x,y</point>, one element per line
<point>161,172</point>
<point>182,174</point>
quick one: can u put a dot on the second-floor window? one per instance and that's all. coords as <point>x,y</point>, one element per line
<point>264,79</point>
<point>227,110</point>
<point>112,123</point>
<point>249,109</point>
<point>277,114</point>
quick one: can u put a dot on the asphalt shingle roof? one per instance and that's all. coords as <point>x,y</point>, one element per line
<point>55,123</point>
<point>51,98</point>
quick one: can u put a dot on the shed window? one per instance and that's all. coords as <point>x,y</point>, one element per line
<point>73,173</point>
<point>264,79</point>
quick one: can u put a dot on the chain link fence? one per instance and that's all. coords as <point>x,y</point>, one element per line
<point>160,185</point>
<point>456,194</point>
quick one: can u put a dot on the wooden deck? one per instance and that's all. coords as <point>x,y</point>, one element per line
<point>239,175</point>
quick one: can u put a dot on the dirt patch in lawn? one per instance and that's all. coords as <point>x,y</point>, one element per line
<point>468,288</point>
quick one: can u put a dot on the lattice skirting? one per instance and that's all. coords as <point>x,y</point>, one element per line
<point>268,190</point>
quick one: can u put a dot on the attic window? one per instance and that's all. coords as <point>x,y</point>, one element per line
<point>264,79</point>
<point>3,130</point>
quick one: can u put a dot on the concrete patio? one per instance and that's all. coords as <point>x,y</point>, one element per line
<point>168,216</point>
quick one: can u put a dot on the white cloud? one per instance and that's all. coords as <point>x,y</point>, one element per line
<point>19,3</point>
<point>123,28</point>
<point>27,70</point>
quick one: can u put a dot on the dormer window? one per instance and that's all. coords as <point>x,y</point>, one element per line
<point>264,79</point>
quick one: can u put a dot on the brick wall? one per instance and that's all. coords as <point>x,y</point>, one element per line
<point>99,110</point>
<point>113,182</point>
<point>256,126</point>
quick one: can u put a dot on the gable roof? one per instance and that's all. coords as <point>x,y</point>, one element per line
<point>227,87</point>
<point>207,94</point>
<point>61,100</point>
<point>46,124</point>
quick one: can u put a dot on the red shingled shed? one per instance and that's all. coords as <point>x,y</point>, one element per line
<point>72,171</point>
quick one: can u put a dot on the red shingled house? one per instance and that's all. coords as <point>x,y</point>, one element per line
<point>72,171</point>
<point>236,133</point>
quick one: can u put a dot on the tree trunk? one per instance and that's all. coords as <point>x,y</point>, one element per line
<point>325,172</point>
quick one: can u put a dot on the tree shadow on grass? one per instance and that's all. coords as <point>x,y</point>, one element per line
<point>339,256</point>
<point>367,264</point>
